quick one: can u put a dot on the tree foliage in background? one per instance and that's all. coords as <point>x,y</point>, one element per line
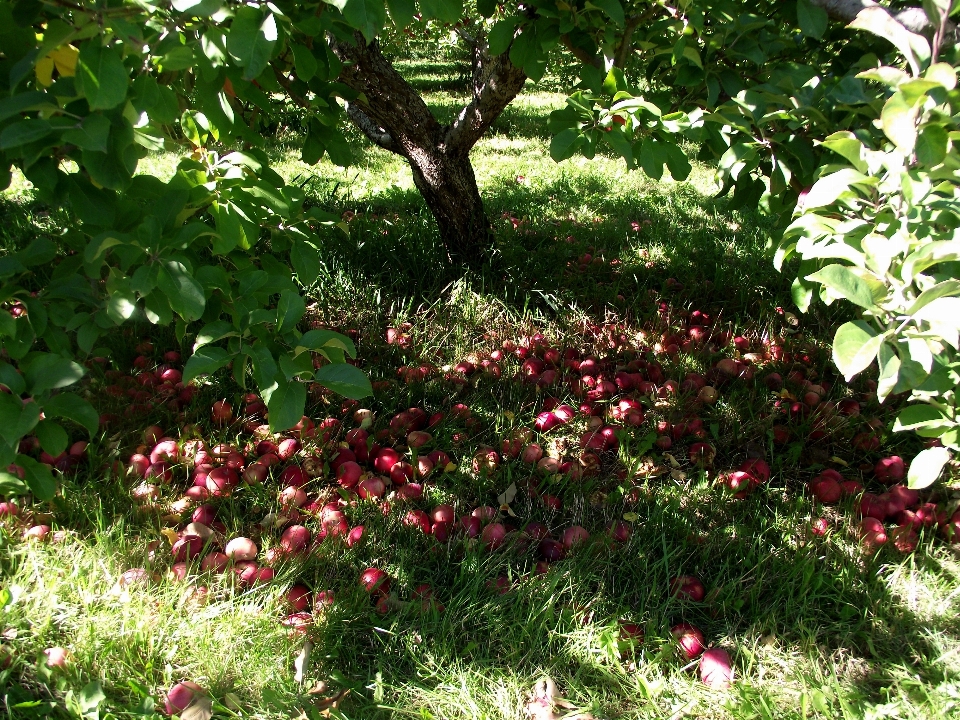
<point>224,251</point>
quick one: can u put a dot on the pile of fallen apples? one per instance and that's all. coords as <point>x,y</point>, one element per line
<point>621,390</point>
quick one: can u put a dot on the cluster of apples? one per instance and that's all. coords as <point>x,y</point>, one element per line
<point>898,504</point>
<point>148,385</point>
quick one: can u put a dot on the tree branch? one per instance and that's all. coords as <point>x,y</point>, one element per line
<point>913,19</point>
<point>388,101</point>
<point>497,81</point>
<point>581,54</point>
<point>377,135</point>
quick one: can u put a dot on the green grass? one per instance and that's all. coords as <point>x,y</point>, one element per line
<point>816,627</point>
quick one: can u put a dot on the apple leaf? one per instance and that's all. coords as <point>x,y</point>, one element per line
<point>926,467</point>
<point>855,346</point>
<point>345,379</point>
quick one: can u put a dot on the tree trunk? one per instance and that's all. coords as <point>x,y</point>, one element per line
<point>393,116</point>
<point>449,187</point>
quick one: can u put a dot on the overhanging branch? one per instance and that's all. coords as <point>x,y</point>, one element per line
<point>377,135</point>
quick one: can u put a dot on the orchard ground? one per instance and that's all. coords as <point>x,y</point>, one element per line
<point>820,618</point>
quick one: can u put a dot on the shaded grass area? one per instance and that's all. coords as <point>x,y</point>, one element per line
<point>817,628</point>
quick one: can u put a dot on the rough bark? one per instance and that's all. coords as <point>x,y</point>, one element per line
<point>394,116</point>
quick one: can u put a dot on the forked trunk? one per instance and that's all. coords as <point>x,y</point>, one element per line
<point>394,116</point>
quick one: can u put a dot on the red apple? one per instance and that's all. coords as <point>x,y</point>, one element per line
<point>716,668</point>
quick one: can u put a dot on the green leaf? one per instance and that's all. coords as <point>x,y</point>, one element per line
<point>251,39</point>
<point>286,405</point>
<point>52,437</point>
<point>368,16</point>
<point>320,339</point>
<point>847,145</point>
<point>613,9</point>
<point>919,417</point>
<point>211,332</point>
<point>812,19</point>
<point>889,364</point>
<point>932,144</point>
<point>11,379</point>
<point>926,467</point>
<point>565,144</point>
<point>652,157</point>
<point>38,478</point>
<point>501,35</point>
<point>828,188</point>
<point>346,380</point>
<point>184,293</point>
<point>943,289</point>
<point>486,8</point>
<point>448,11</point>
<point>91,697</point>
<point>305,259</point>
<point>304,62</point>
<point>205,361</point>
<point>121,304</point>
<point>91,135</point>
<point>101,76</point>
<point>73,407</point>
<point>16,418</point>
<point>855,346</point>
<point>290,309</point>
<point>845,283</point>
<point>23,132</point>
<point>197,8</point>
<point>24,102</point>
<point>402,11</point>
<point>899,121</point>
<point>296,365</point>
<point>11,485</point>
<point>677,162</point>
<point>264,365</point>
<point>878,21</point>
<point>47,371</point>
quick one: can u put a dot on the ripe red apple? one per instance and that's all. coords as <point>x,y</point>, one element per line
<point>221,412</point>
<point>371,487</point>
<point>241,548</point>
<point>287,448</point>
<point>716,668</point>
<point>471,525</point>
<point>890,470</point>
<point>620,531</point>
<point>443,513</point>
<point>355,536</point>
<point>215,562</point>
<point>688,587</point>
<point>180,696</point>
<point>375,581</point>
<point>57,657</point>
<point>689,639</point>
<point>826,490</point>
<point>573,536</point>
<point>295,539</point>
<point>493,535</point>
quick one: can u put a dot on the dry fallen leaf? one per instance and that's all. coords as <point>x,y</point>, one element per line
<point>508,495</point>
<point>171,535</point>
<point>546,698</point>
<point>200,708</point>
<point>671,459</point>
<point>839,461</point>
<point>302,660</point>
<point>678,475</point>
